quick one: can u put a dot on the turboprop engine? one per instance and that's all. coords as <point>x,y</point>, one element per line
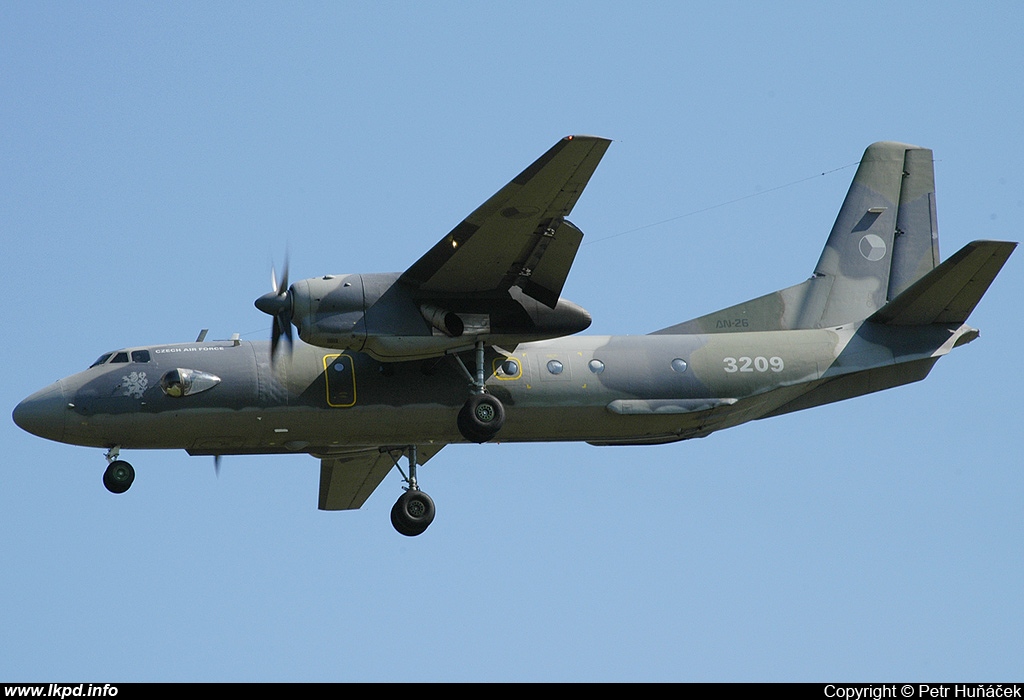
<point>378,315</point>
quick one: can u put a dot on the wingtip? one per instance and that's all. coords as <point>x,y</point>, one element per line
<point>585,137</point>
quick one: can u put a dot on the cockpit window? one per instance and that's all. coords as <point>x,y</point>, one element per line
<point>103,358</point>
<point>122,356</point>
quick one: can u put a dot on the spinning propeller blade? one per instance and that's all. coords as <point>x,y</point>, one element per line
<point>278,303</point>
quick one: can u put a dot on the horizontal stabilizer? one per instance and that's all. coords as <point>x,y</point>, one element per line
<point>948,293</point>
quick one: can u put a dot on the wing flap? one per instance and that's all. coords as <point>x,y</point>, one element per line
<point>542,274</point>
<point>491,249</point>
<point>347,480</point>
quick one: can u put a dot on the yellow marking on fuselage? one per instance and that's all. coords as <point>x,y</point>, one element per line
<point>328,360</point>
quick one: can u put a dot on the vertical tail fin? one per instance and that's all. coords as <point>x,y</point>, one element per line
<point>884,239</point>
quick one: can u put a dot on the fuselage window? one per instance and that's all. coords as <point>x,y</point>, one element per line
<point>510,368</point>
<point>679,364</point>
<point>596,366</point>
<point>140,355</point>
<point>120,357</point>
<point>102,358</point>
<point>555,367</point>
<point>180,382</point>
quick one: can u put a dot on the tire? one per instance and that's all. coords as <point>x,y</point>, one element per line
<point>481,418</point>
<point>119,476</point>
<point>412,513</point>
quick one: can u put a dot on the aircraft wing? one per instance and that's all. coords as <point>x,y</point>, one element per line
<point>518,237</point>
<point>347,480</point>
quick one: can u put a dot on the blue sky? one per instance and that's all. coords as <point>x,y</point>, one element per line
<point>157,159</point>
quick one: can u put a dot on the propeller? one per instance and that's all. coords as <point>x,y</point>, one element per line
<point>278,304</point>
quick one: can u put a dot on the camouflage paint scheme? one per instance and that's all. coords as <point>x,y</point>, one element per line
<point>380,373</point>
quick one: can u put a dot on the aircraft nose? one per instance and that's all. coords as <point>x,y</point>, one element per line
<point>43,413</point>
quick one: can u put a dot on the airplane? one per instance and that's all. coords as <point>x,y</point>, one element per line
<point>473,343</point>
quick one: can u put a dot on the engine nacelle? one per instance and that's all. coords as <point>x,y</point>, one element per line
<point>328,311</point>
<point>376,314</point>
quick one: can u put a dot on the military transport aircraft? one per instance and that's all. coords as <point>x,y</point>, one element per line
<point>473,343</point>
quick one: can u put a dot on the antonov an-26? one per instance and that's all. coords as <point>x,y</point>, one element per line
<point>474,343</point>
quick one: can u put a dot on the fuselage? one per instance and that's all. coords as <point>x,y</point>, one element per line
<point>226,397</point>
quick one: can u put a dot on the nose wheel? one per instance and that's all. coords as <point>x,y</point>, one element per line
<point>482,416</point>
<point>119,474</point>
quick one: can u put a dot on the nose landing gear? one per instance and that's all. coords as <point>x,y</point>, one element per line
<point>119,474</point>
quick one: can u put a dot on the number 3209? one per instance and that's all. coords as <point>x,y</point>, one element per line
<point>753,364</point>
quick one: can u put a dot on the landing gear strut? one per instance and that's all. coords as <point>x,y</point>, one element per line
<point>483,414</point>
<point>414,510</point>
<point>119,475</point>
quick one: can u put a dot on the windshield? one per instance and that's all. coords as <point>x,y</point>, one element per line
<point>102,358</point>
<point>121,356</point>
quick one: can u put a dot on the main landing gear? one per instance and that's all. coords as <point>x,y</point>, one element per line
<point>414,510</point>
<point>119,475</point>
<point>483,414</point>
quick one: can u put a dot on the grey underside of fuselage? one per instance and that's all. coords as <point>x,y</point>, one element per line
<point>323,401</point>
